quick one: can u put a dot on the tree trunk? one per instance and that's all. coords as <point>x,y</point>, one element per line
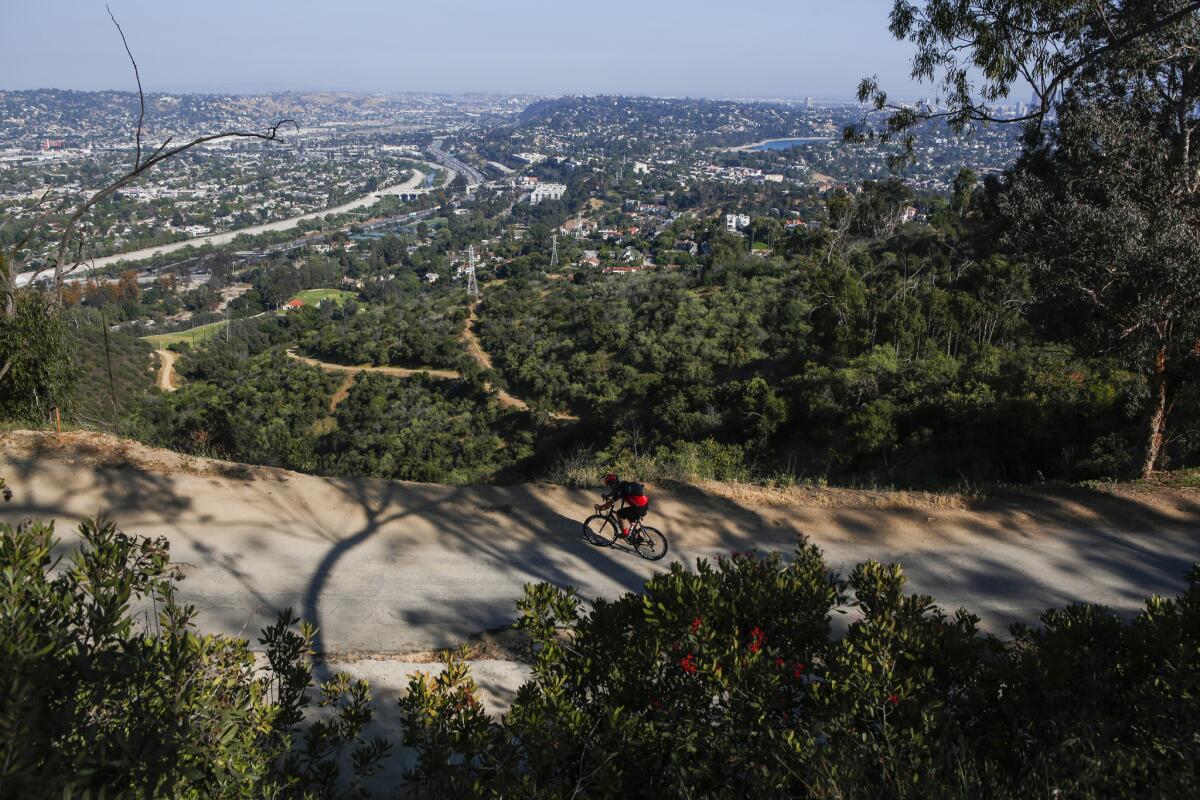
<point>1157,432</point>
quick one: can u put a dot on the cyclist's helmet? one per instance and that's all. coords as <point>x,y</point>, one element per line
<point>610,479</point>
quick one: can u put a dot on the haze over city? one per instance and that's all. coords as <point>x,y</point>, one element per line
<point>675,48</point>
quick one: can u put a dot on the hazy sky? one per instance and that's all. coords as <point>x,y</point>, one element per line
<point>745,48</point>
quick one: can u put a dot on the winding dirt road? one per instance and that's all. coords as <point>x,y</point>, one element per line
<point>399,372</point>
<point>476,351</point>
<point>166,369</point>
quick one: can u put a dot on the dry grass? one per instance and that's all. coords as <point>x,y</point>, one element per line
<point>499,644</point>
<point>105,450</point>
<point>751,494</point>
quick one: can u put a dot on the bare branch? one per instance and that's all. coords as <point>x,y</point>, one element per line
<point>137,159</point>
<point>158,157</point>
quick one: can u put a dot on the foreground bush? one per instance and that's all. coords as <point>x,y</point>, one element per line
<point>724,682</point>
<point>99,699</point>
<point>727,682</point>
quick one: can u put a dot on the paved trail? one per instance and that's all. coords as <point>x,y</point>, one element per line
<point>395,567</point>
<point>386,568</point>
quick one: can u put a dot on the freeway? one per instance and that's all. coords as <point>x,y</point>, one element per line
<point>454,164</point>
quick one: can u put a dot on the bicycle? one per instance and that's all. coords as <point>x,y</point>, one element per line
<point>604,529</point>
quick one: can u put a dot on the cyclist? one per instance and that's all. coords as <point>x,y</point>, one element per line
<point>634,502</point>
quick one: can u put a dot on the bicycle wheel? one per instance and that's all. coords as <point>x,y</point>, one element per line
<point>599,529</point>
<point>652,545</point>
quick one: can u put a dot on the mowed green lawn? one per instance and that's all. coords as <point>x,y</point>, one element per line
<point>312,297</point>
<point>193,336</point>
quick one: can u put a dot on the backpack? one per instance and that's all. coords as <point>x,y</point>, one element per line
<point>634,494</point>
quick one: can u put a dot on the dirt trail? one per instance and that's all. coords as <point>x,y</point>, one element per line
<point>166,370</point>
<point>400,372</point>
<point>342,392</point>
<point>476,351</point>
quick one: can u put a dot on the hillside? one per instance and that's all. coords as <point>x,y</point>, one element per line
<point>395,567</point>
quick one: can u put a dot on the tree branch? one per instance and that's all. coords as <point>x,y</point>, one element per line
<point>158,157</point>
<point>1038,55</point>
<point>137,159</point>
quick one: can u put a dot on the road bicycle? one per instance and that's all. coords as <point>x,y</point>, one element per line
<point>605,529</point>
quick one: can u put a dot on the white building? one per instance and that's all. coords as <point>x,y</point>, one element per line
<point>736,222</point>
<point>547,191</point>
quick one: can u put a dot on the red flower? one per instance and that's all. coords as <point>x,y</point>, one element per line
<point>893,699</point>
<point>688,663</point>
<point>757,640</point>
<point>696,624</point>
<point>655,703</point>
<point>779,662</point>
<point>797,668</point>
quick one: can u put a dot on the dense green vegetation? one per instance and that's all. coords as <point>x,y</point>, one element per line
<point>904,360</point>
<point>727,681</point>
<point>868,352</point>
<point>96,702</point>
<point>412,330</point>
<point>422,429</point>
<point>35,360</point>
<point>102,398</point>
<point>722,681</point>
<point>245,400</point>
<point>261,409</point>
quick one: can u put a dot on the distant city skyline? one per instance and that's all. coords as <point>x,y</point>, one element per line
<point>753,50</point>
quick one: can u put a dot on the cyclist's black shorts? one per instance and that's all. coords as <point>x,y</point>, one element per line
<point>632,513</point>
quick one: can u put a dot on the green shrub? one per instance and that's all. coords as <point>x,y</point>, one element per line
<point>728,682</point>
<point>94,704</point>
<point>682,461</point>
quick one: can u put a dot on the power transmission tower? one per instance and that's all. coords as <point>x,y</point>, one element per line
<point>554,251</point>
<point>472,286</point>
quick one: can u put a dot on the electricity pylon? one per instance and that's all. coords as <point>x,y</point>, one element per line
<point>554,251</point>
<point>472,286</point>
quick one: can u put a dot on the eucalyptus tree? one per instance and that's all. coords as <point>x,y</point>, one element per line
<point>1103,204</point>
